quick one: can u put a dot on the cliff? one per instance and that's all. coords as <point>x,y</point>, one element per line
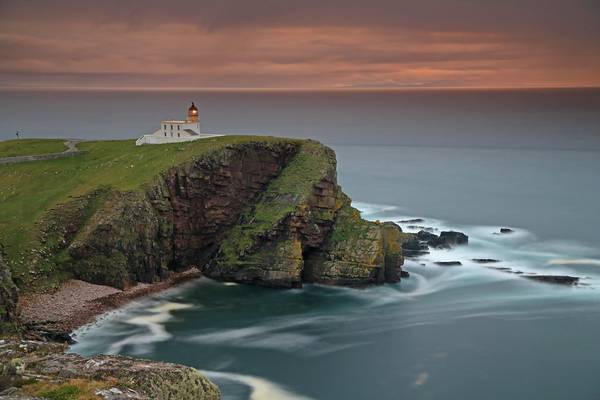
<point>264,211</point>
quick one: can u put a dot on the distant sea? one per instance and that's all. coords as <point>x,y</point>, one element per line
<point>474,161</point>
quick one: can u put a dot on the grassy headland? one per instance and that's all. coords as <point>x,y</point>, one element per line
<point>30,190</point>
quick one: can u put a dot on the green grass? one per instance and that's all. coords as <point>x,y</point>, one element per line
<point>28,190</point>
<point>66,392</point>
<point>28,147</point>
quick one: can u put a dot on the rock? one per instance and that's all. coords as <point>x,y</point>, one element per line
<point>412,221</point>
<point>484,260</point>
<point>421,228</point>
<point>453,238</point>
<point>413,247</point>
<point>358,253</point>
<point>125,376</point>
<point>555,279</point>
<point>447,263</point>
<point>445,240</point>
<point>506,230</point>
<point>307,232</point>
<point>404,274</point>
<point>427,236</point>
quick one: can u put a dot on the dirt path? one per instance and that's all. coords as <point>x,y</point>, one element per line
<point>71,151</point>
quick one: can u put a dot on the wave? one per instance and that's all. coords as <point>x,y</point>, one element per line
<point>153,329</point>
<point>260,388</point>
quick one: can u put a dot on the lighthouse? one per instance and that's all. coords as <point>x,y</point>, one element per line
<point>193,114</point>
<point>175,131</point>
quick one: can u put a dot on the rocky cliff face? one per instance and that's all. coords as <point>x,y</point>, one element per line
<point>267,213</point>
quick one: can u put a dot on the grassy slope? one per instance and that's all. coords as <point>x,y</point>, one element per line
<point>28,190</point>
<point>28,147</point>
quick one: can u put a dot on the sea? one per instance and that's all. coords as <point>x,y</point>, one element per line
<point>469,160</point>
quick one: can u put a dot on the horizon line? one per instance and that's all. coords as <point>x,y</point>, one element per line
<point>281,89</point>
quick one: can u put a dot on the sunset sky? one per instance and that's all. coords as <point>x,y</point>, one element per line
<point>299,44</point>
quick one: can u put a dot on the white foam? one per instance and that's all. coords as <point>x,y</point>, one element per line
<point>261,389</point>
<point>267,336</point>
<point>574,261</point>
<point>154,329</point>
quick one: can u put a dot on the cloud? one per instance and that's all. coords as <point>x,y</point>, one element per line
<point>325,43</point>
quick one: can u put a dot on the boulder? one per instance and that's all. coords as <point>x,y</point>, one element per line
<point>453,238</point>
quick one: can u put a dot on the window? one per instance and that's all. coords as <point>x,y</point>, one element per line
<point>178,134</point>
<point>178,127</point>
<point>165,127</point>
<point>165,134</point>
<point>171,127</point>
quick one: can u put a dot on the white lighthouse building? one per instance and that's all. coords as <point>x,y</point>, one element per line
<point>175,131</point>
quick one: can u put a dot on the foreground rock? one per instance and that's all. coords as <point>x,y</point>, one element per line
<point>42,369</point>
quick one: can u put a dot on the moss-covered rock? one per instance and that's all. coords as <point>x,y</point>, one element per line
<point>27,364</point>
<point>303,229</point>
<point>357,253</point>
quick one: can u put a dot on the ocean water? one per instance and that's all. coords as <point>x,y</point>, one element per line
<point>473,161</point>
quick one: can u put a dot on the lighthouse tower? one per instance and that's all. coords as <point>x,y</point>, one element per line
<point>176,131</point>
<point>192,115</point>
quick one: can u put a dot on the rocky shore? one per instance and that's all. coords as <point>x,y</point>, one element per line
<point>55,315</point>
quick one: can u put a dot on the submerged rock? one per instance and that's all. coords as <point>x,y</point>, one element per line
<point>506,230</point>
<point>555,279</point>
<point>412,221</point>
<point>447,263</point>
<point>484,260</point>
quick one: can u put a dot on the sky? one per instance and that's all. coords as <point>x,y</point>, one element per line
<point>305,44</point>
